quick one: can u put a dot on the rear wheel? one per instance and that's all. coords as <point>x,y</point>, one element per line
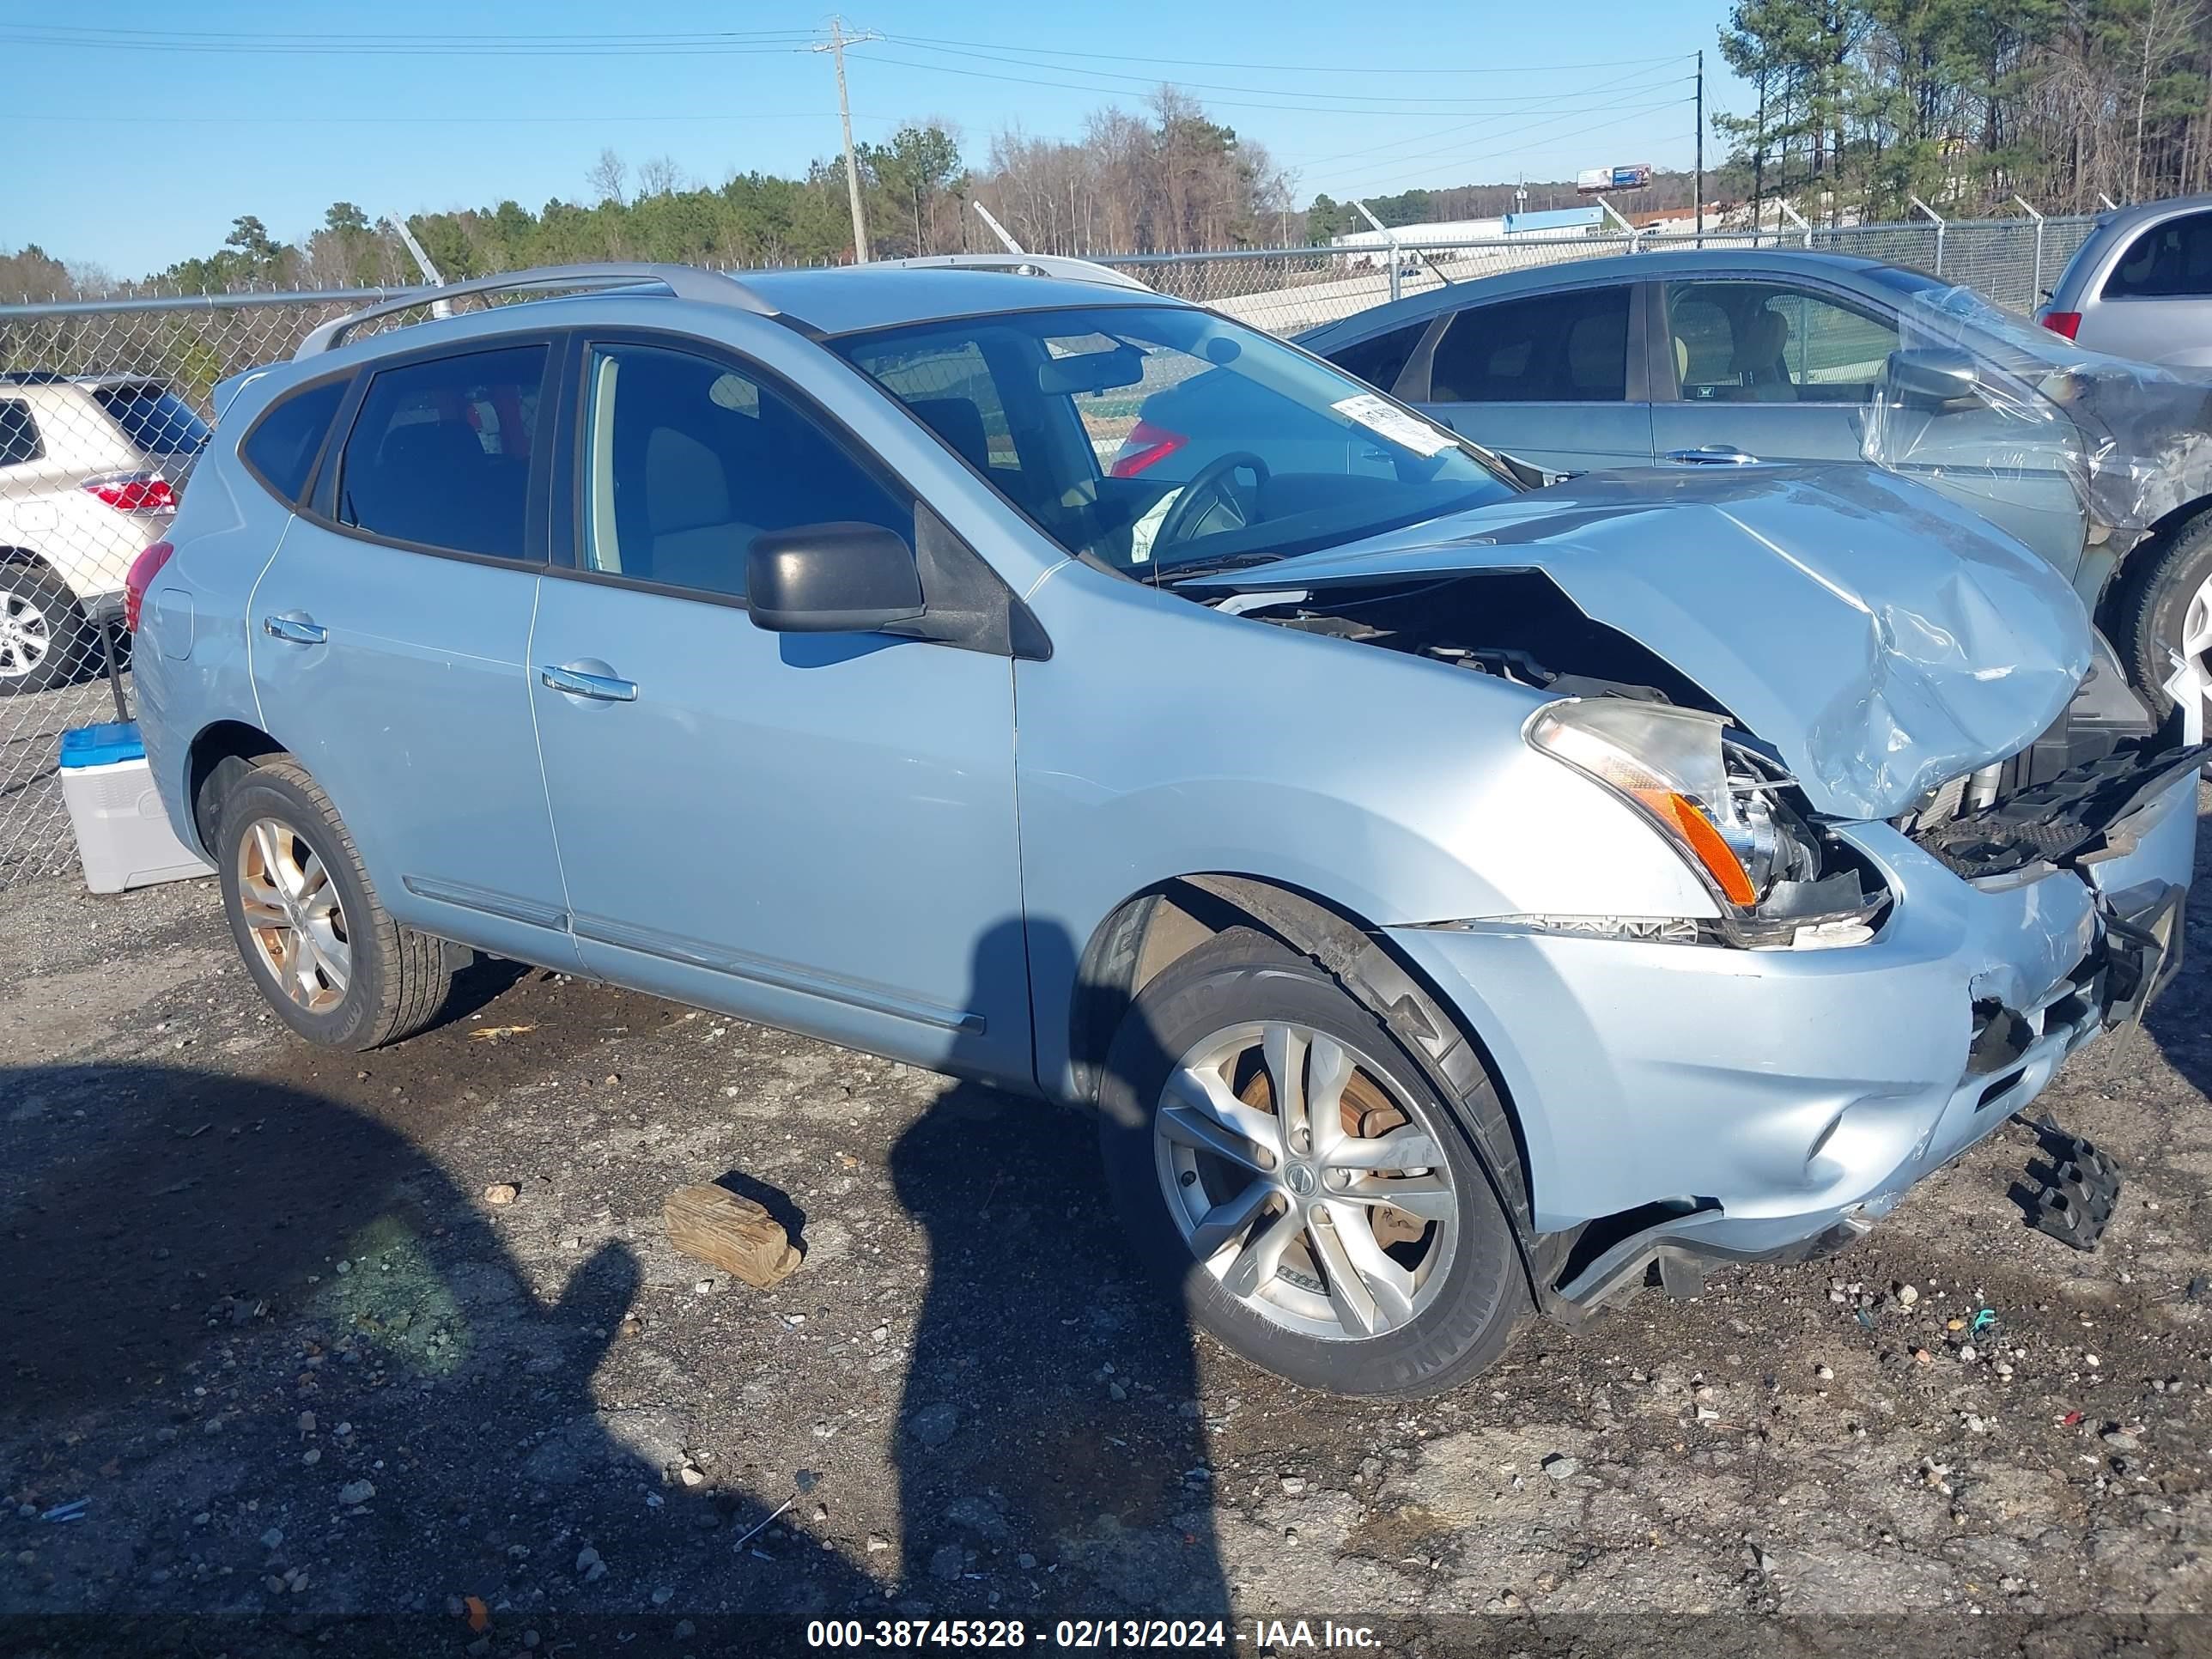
<point>332,963</point>
<point>1278,1158</point>
<point>44,639</point>
<point>2163,612</point>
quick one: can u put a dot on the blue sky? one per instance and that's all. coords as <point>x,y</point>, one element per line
<point>140,132</point>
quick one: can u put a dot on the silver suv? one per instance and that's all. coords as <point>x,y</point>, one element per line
<point>1452,898</point>
<point>90,466</point>
<point>2140,286</point>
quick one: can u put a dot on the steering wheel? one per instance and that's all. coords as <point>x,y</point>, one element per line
<point>1208,486</point>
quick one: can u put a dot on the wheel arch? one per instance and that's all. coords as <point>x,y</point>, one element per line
<point>1154,928</point>
<point>218,754</point>
<point>2165,528</point>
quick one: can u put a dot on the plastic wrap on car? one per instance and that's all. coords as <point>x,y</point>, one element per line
<point>2134,441</point>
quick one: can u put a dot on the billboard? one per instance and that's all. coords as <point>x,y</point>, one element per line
<point>1596,181</point>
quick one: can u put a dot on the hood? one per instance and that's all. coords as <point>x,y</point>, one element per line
<point>1880,640</point>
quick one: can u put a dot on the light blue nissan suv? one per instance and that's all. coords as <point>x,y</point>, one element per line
<point>1456,898</point>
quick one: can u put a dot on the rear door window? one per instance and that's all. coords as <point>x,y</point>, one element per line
<point>155,420</point>
<point>281,449</point>
<point>1551,348</point>
<point>19,434</point>
<point>2172,261</point>
<point>441,451</point>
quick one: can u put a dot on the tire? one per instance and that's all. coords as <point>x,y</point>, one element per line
<point>44,638</point>
<point>319,947</point>
<point>1444,1306</point>
<point>2164,606</point>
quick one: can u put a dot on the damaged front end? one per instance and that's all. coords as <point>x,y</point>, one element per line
<point>1723,799</point>
<point>1945,845</point>
<point>2067,798</point>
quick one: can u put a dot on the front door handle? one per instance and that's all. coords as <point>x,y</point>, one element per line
<point>600,688</point>
<point>299,630</point>
<point>1712,455</point>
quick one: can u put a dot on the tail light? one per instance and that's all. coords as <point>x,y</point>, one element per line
<point>134,492</point>
<point>1145,445</point>
<point>2067,323</point>
<point>140,577</point>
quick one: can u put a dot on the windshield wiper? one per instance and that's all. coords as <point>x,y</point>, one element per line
<point>1171,574</point>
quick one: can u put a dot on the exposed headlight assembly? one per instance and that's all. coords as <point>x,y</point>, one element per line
<point>1722,806</point>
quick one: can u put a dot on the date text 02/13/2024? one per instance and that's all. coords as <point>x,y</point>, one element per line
<point>1083,1634</point>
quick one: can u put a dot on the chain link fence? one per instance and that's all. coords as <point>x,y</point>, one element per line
<point>104,405</point>
<point>1287,291</point>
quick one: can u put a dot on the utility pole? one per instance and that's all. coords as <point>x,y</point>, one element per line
<point>834,45</point>
<point>1698,189</point>
<point>1758,162</point>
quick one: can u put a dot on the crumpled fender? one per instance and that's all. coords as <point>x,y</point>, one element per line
<point>1880,638</point>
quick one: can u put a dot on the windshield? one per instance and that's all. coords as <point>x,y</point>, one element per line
<point>1158,438</point>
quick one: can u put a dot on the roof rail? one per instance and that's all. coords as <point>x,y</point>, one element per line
<point>1028,264</point>
<point>684,281</point>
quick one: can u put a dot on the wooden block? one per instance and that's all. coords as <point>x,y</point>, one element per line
<point>729,1232</point>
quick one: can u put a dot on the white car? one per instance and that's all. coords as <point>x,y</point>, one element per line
<point>90,467</point>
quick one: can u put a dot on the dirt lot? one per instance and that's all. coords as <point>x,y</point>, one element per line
<point>313,1389</point>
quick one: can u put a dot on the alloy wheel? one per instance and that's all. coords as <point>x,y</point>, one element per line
<point>1311,1188</point>
<point>293,915</point>
<point>26,636</point>
<point>2196,639</point>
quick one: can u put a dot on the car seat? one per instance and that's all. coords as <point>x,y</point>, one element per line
<point>1597,350</point>
<point>1762,342</point>
<point>693,538</point>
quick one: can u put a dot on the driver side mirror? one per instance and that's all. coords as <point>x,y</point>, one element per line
<point>832,579</point>
<point>1934,377</point>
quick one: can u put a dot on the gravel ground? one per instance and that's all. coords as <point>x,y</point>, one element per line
<point>314,1387</point>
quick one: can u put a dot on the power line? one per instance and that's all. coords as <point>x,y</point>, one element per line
<point>1521,149</point>
<point>106,121</point>
<point>1620,84</point>
<point>705,45</point>
<point>1123,91</point>
<point>1290,69</point>
<point>1621,111</point>
<point>1210,86</point>
<point>536,44</point>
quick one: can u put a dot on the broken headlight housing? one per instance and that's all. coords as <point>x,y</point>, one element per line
<point>1723,806</point>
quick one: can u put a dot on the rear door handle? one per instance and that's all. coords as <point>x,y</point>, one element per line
<point>600,688</point>
<point>1712,455</point>
<point>299,630</point>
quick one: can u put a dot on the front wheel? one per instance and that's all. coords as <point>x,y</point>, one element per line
<point>2163,612</point>
<point>1281,1160</point>
<point>323,953</point>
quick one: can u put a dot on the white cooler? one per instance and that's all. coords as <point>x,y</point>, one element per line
<point>122,834</point>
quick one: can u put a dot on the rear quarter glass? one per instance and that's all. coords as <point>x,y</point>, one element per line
<point>281,447</point>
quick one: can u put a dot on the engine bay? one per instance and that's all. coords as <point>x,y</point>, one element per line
<point>1511,625</point>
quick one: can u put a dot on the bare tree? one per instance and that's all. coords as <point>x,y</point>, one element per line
<point>658,177</point>
<point>606,178</point>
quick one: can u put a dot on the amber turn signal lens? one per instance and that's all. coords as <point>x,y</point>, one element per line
<point>1721,863</point>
